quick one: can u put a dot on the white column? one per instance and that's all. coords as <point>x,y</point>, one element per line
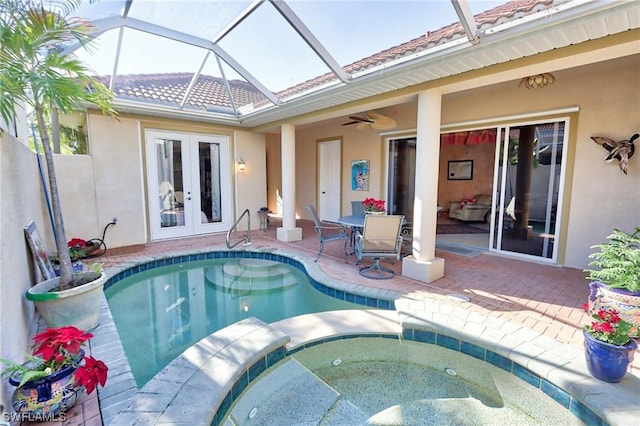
<point>422,265</point>
<point>288,231</point>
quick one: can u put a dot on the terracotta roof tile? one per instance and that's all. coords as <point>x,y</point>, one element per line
<point>208,92</point>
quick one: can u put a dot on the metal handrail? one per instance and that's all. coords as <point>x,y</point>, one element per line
<point>246,238</point>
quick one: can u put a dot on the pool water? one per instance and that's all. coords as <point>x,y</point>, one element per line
<point>160,312</point>
<point>381,381</point>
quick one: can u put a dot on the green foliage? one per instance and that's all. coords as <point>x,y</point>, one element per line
<point>33,369</point>
<point>618,261</point>
<point>36,69</point>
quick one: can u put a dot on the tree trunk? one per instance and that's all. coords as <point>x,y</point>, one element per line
<point>523,181</point>
<point>66,272</point>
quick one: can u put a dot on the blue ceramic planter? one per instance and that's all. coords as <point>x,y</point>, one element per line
<point>49,395</point>
<point>605,361</point>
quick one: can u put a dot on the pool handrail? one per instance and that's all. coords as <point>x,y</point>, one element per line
<point>246,238</point>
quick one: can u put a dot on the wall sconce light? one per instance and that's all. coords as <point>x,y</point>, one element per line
<point>242,165</point>
<point>537,81</point>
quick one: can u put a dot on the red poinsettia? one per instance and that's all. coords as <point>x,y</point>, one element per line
<point>59,347</point>
<point>373,205</point>
<point>91,373</point>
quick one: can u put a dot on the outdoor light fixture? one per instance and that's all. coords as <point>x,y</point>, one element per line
<point>242,165</point>
<point>538,80</point>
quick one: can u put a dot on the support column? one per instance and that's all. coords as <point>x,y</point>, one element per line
<point>422,265</point>
<point>288,231</point>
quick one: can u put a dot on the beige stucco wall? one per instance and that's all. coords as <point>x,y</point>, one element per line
<point>22,201</point>
<point>113,180</point>
<point>251,188</point>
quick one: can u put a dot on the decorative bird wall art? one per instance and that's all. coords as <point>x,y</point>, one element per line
<point>622,150</point>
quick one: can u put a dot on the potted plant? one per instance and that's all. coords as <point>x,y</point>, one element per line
<point>373,206</point>
<point>49,381</point>
<point>616,281</point>
<point>609,348</point>
<point>35,70</point>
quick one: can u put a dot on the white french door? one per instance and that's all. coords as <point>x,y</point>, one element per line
<point>329,177</point>
<point>188,183</point>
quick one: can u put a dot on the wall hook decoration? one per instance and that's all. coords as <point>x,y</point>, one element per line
<point>622,150</point>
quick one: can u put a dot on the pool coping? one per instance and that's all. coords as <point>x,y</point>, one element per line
<point>549,361</point>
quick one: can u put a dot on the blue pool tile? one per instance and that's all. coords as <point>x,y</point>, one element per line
<point>499,361</point>
<point>350,297</point>
<point>556,393</point>
<point>257,368</point>
<point>240,385</point>
<point>371,302</point>
<point>360,300</point>
<point>384,304</point>
<point>331,292</point>
<point>473,350</point>
<point>221,414</point>
<point>448,342</point>
<point>526,375</point>
<point>582,412</point>
<point>424,336</point>
<point>276,356</point>
<point>339,294</point>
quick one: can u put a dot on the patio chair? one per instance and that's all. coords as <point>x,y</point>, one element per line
<point>357,207</point>
<point>380,238</point>
<point>328,231</point>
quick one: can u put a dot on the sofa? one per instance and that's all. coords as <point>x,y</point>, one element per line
<point>471,209</point>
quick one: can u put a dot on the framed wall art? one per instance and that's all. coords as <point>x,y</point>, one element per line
<point>460,170</point>
<point>360,175</point>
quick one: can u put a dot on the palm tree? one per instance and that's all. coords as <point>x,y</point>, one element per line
<point>34,70</point>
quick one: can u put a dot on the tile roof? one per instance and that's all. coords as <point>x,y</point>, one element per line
<point>209,93</point>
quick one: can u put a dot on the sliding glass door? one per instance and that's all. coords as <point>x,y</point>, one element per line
<point>529,170</point>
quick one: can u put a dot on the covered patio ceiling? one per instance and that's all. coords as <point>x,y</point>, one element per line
<point>259,63</point>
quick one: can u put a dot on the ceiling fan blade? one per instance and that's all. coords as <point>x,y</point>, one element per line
<point>350,122</point>
<point>360,119</point>
<point>381,122</point>
<point>363,126</point>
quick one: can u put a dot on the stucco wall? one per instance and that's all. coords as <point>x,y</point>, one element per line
<point>22,201</point>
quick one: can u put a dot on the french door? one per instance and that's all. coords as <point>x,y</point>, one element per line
<point>188,184</point>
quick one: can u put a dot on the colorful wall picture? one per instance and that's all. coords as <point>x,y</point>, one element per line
<point>360,175</point>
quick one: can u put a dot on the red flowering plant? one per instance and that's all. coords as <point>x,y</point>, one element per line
<point>373,205</point>
<point>55,349</point>
<point>609,327</point>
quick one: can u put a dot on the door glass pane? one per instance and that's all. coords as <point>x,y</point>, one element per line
<point>170,185</point>
<point>402,172</point>
<point>210,191</point>
<point>530,170</point>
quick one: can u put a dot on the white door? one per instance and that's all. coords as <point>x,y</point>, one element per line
<point>329,178</point>
<point>188,184</point>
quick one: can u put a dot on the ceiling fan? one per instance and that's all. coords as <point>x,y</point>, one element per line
<point>373,119</point>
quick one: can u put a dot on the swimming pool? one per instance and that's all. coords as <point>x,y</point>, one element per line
<point>162,311</point>
<point>384,381</point>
